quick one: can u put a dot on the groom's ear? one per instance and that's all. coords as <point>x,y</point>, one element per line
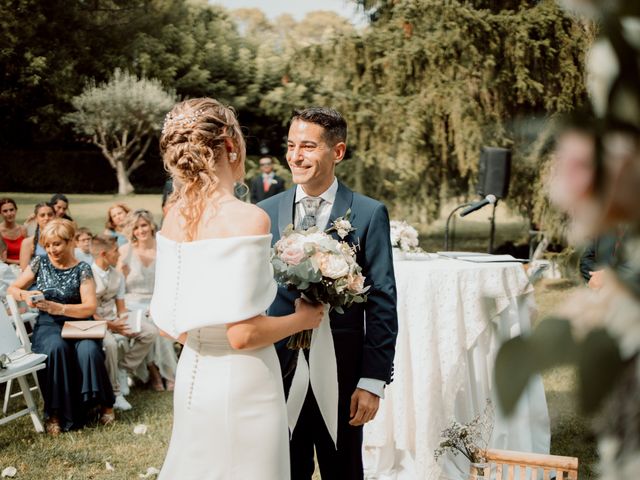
<point>339,149</point>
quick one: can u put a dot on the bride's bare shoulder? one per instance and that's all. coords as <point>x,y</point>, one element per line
<point>251,220</point>
<point>172,224</point>
<point>231,219</point>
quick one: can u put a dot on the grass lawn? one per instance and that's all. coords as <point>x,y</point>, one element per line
<point>84,454</point>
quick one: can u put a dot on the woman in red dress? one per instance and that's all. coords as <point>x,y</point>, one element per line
<point>10,231</point>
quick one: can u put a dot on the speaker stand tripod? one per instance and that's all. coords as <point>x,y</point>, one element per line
<point>492,231</point>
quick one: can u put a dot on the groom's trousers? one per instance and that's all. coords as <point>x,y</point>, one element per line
<point>345,463</point>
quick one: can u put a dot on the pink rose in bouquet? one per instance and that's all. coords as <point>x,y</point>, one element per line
<point>292,252</point>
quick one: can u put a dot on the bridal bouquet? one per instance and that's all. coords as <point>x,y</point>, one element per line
<point>322,268</point>
<point>403,236</point>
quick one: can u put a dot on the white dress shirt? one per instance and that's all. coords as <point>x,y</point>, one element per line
<point>372,385</point>
<point>110,287</point>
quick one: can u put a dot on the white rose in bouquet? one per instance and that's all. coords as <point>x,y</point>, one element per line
<point>333,266</point>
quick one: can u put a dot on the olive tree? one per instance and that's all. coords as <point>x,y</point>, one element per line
<point>121,117</point>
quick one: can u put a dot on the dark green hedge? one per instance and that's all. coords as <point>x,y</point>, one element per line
<point>72,171</point>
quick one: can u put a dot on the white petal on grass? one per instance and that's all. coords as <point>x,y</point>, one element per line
<point>109,467</point>
<point>140,429</point>
<point>9,472</point>
<point>151,471</point>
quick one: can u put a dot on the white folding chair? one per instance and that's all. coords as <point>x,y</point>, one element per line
<point>14,342</point>
<point>19,320</point>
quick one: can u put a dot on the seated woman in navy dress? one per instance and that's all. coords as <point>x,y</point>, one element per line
<point>75,379</point>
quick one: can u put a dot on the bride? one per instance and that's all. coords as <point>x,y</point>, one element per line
<point>213,283</point>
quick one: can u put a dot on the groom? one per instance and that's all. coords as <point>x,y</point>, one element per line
<point>365,335</point>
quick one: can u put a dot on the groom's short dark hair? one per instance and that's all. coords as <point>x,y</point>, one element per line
<point>334,124</point>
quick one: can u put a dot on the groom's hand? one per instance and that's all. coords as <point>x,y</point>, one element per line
<point>364,406</point>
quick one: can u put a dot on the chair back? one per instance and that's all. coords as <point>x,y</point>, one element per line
<point>19,324</point>
<point>511,465</point>
<point>9,341</point>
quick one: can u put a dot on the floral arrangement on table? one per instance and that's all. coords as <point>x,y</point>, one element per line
<point>471,439</point>
<point>322,268</point>
<point>404,236</point>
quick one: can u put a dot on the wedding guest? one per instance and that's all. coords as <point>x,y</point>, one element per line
<point>7,273</point>
<point>12,233</point>
<point>602,252</point>
<point>365,334</point>
<point>60,204</point>
<point>75,378</point>
<point>267,183</point>
<point>124,349</point>
<point>30,224</point>
<point>138,264</point>
<point>116,219</point>
<point>33,246</point>
<point>83,245</point>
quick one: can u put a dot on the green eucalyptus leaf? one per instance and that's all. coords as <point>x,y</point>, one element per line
<point>599,368</point>
<point>549,345</point>
<point>552,343</point>
<point>511,381</point>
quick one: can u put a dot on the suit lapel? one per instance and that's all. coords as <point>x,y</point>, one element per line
<point>344,198</point>
<point>285,210</point>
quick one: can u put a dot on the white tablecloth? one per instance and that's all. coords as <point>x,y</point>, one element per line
<point>452,317</point>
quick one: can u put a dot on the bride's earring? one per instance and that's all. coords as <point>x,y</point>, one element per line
<point>233,156</point>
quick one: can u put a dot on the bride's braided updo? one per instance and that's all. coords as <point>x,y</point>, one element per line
<point>192,143</point>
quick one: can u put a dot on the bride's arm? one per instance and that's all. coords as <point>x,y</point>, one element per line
<point>261,330</point>
<point>182,338</point>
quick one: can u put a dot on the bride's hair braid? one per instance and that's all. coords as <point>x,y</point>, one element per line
<point>192,142</point>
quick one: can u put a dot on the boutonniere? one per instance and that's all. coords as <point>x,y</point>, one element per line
<point>342,225</point>
<point>274,181</point>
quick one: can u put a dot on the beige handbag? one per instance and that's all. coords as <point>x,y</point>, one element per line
<point>79,329</point>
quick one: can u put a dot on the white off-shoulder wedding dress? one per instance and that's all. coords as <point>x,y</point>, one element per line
<point>229,407</point>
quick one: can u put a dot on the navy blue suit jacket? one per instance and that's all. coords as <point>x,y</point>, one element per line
<point>365,335</point>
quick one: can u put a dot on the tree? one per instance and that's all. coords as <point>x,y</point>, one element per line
<point>121,117</point>
<point>429,82</point>
<point>49,50</point>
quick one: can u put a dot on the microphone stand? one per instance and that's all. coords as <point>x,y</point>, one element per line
<point>446,228</point>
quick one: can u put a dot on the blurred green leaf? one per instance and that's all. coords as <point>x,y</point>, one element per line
<point>550,344</point>
<point>599,368</point>
<point>512,381</point>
